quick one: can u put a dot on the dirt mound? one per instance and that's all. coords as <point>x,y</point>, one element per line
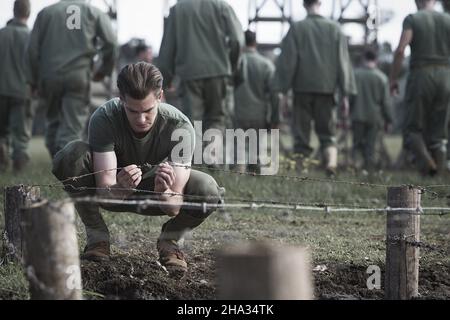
<point>142,277</point>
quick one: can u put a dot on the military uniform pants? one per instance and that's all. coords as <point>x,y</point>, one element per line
<point>427,101</point>
<point>249,153</point>
<point>67,99</point>
<point>206,100</point>
<point>319,108</point>
<point>15,125</point>
<point>76,159</point>
<point>364,140</point>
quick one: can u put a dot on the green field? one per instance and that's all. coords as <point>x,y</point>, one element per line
<point>346,243</point>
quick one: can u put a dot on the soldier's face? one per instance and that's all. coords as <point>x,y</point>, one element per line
<point>141,114</point>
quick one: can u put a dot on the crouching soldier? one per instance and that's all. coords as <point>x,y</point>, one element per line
<point>129,132</point>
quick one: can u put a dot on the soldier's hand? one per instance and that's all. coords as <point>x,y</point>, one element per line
<point>33,91</point>
<point>345,107</point>
<point>394,88</point>
<point>165,177</point>
<point>387,127</point>
<point>275,126</point>
<point>98,77</point>
<point>129,177</point>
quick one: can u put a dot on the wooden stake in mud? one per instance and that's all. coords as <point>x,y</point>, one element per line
<point>264,272</point>
<point>402,230</point>
<point>52,262</point>
<point>15,198</point>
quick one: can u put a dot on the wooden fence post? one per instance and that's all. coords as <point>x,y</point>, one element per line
<point>15,198</point>
<point>264,272</point>
<point>52,262</point>
<point>402,259</point>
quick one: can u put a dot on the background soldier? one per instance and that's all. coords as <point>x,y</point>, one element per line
<point>370,109</point>
<point>427,94</point>
<point>201,44</point>
<point>15,106</point>
<point>255,102</point>
<point>314,62</point>
<point>61,49</point>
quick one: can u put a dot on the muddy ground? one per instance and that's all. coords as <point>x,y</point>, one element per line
<point>140,276</point>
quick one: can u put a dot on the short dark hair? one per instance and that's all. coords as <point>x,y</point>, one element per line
<point>309,3</point>
<point>138,80</point>
<point>370,55</point>
<point>250,38</point>
<point>141,48</point>
<point>22,8</point>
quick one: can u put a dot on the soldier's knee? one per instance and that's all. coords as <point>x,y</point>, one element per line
<point>72,160</point>
<point>206,189</point>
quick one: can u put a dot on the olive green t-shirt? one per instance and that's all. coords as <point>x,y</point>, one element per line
<point>109,130</point>
<point>431,37</point>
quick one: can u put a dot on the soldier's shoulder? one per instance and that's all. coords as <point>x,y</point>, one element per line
<point>263,60</point>
<point>322,22</point>
<point>108,109</point>
<point>381,75</point>
<point>172,113</point>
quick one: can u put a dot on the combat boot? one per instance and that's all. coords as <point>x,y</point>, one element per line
<point>331,158</point>
<point>440,158</point>
<point>427,164</point>
<point>4,157</point>
<point>20,164</point>
<point>171,256</point>
<point>99,251</point>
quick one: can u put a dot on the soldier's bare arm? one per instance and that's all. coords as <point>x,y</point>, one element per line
<point>128,178</point>
<point>399,56</point>
<point>170,180</point>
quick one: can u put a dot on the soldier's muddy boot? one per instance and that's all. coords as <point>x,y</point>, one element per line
<point>426,162</point>
<point>171,256</point>
<point>98,252</point>
<point>254,168</point>
<point>20,164</point>
<point>440,158</point>
<point>331,158</point>
<point>240,168</point>
<point>4,157</point>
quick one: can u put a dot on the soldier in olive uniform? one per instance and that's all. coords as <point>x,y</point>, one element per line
<point>255,101</point>
<point>60,53</point>
<point>371,109</point>
<point>314,62</point>
<point>201,44</point>
<point>427,95</point>
<point>15,106</point>
<point>129,132</point>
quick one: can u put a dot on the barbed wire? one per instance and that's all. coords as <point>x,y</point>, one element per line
<point>252,174</point>
<point>204,206</point>
<point>398,239</point>
<point>155,194</point>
